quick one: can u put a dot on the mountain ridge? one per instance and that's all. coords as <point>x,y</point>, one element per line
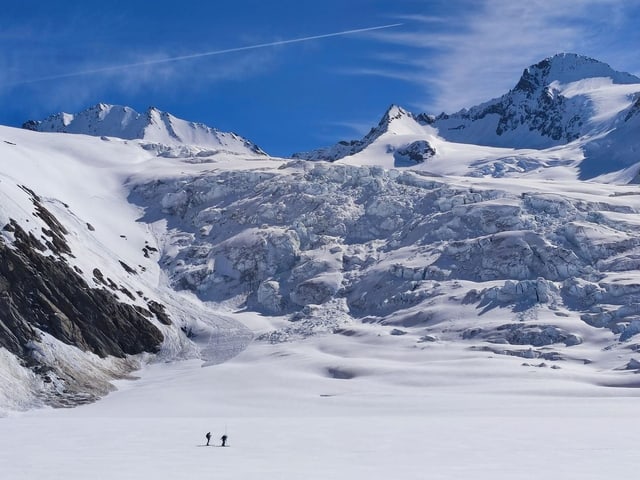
<point>567,68</point>
<point>561,101</point>
<point>153,126</point>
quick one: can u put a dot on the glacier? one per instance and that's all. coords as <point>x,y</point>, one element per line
<point>417,236</point>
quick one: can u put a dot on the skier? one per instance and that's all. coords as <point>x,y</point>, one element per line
<point>208,435</point>
<point>224,440</point>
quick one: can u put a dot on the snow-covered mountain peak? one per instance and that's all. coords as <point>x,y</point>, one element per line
<point>154,126</point>
<point>568,111</point>
<point>396,121</point>
<point>556,101</point>
<point>394,112</point>
<point>566,68</point>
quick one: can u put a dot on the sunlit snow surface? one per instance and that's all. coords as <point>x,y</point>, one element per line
<point>437,413</point>
<point>402,388</point>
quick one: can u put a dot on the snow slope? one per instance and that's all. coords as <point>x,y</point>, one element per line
<point>82,181</point>
<point>285,421</point>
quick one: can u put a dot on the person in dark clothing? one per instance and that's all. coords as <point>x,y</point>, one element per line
<point>224,440</point>
<point>208,435</point>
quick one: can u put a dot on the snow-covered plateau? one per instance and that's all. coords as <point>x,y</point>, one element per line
<point>415,304</point>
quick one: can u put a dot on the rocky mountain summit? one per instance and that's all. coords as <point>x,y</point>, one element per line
<point>396,120</point>
<point>566,100</point>
<point>541,111</point>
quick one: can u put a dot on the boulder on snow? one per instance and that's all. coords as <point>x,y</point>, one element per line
<point>269,296</point>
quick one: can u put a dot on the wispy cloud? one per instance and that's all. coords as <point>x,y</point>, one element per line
<point>482,51</point>
<point>356,128</point>
<point>57,80</point>
<point>153,62</point>
<point>167,80</point>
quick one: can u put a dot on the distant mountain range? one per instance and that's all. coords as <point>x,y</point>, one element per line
<point>567,111</point>
<point>565,100</point>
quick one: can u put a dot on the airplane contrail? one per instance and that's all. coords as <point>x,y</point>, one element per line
<point>201,54</point>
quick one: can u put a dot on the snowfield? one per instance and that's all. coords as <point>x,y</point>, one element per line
<point>435,413</point>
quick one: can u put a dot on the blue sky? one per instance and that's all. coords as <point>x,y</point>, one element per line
<point>446,55</point>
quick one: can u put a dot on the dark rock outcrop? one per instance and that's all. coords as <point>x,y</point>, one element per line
<point>416,152</point>
<point>39,292</point>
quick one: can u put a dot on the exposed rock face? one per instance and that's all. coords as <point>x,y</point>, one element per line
<point>417,152</point>
<point>534,113</point>
<point>40,293</point>
<point>45,293</point>
<point>633,111</point>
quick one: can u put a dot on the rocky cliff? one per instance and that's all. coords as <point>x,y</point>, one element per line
<point>41,294</point>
